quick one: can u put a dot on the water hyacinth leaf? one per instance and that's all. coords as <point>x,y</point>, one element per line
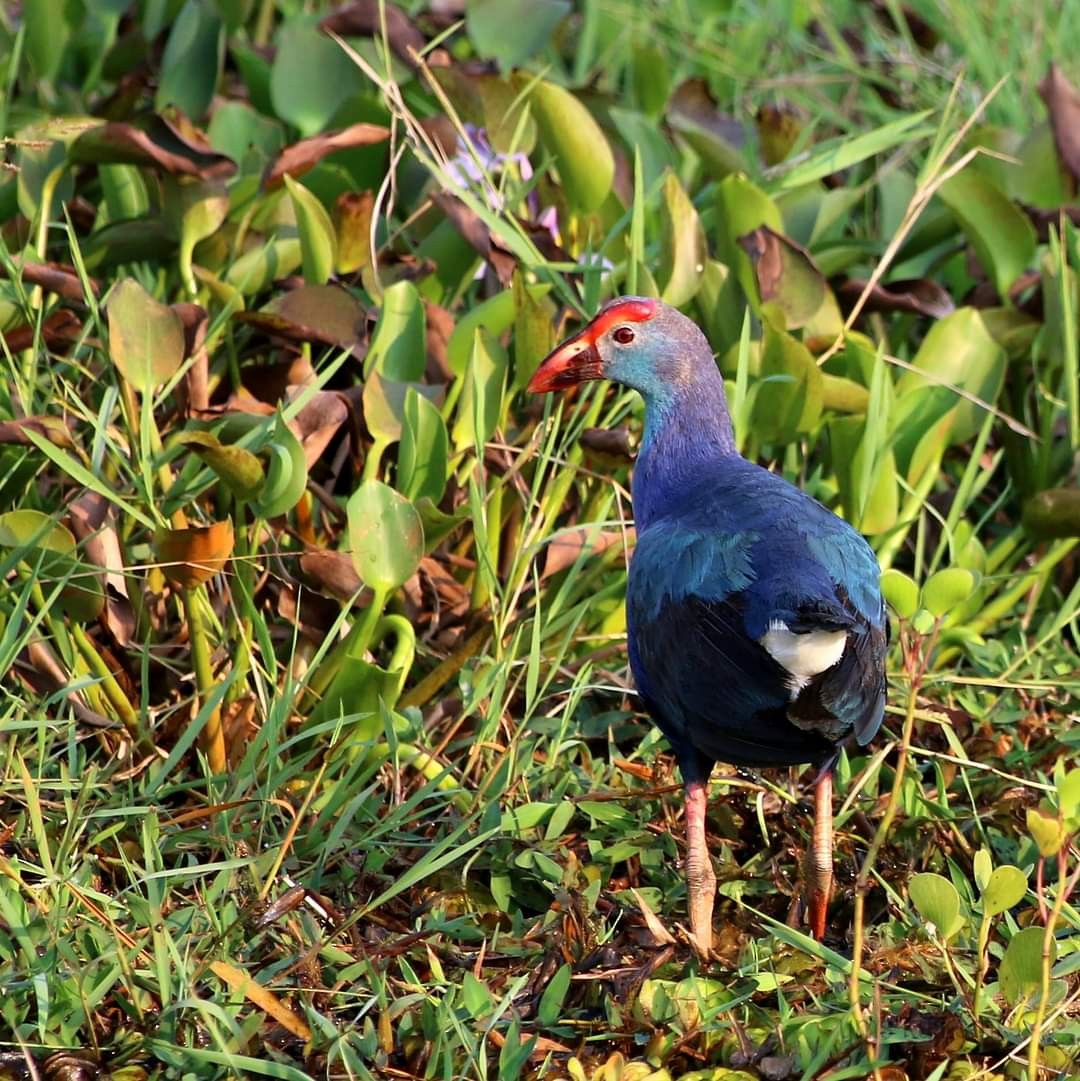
<point>303,156</point>
<point>189,557</point>
<point>533,329</point>
<point>191,64</point>
<point>201,207</point>
<point>260,266</point>
<point>1020,972</point>
<point>1047,831</point>
<point>573,138</point>
<point>318,240</point>
<point>947,588</point>
<point>1063,104</point>
<point>47,36</point>
<point>512,31</point>
<point>49,550</point>
<point>146,337</point>
<point>789,395</point>
<point>785,275</point>
<point>386,538</point>
<point>1002,236</point>
<point>238,468</point>
<point>482,400</point>
<point>398,346</point>
<point>384,405</point>
<point>982,865</point>
<point>714,136</point>
<point>742,207</point>
<point>900,592</point>
<point>424,449</point>
<point>245,135</point>
<point>286,472</point>
<point>958,350</point>
<point>650,75</point>
<point>1053,513</point>
<point>1006,887</point>
<point>936,900</point>
<point>496,315</point>
<point>320,313</point>
<point>311,76</point>
<point>683,249</point>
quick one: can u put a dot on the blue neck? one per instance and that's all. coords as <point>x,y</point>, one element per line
<point>687,431</point>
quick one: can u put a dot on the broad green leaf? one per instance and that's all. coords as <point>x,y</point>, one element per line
<point>496,315</point>
<point>318,241</point>
<point>286,472</point>
<point>743,207</point>
<point>49,550</point>
<point>398,346</point>
<point>1020,971</point>
<point>785,276</point>
<point>900,593</point>
<point>192,61</point>
<point>549,1010</point>
<point>512,31</point>
<point>959,351</point>
<point>386,538</point>
<point>683,248</point>
<point>948,588</point>
<point>238,468</point>
<point>1047,831</point>
<point>650,75</point>
<point>573,138</point>
<point>789,395</point>
<point>257,268</point>
<point>1002,236</point>
<point>49,25</point>
<point>424,449</point>
<point>533,329</point>
<point>146,338</point>
<point>482,399</point>
<point>311,76</point>
<point>1006,887</point>
<point>922,622</point>
<point>1068,793</point>
<point>384,405</point>
<point>245,135</point>
<point>937,901</point>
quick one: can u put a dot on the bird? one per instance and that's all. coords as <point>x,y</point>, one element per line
<point>756,630</point>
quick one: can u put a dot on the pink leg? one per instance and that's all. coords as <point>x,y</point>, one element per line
<point>819,858</point>
<point>700,878</point>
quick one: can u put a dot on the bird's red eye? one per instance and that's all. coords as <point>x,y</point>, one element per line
<point>623,335</point>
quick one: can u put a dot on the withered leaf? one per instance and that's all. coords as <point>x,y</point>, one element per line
<point>320,313</point>
<point>778,129</point>
<point>1063,104</point>
<point>318,421</point>
<point>92,522</point>
<point>297,159</point>
<point>194,555</point>
<point>352,223</point>
<point>362,19</point>
<point>614,442</point>
<point>331,571</point>
<point>785,274</point>
<point>59,328</point>
<point>563,550</point>
<point>52,428</point>
<point>919,295</point>
<point>716,136</point>
<point>155,141</point>
<point>55,278</point>
<point>469,225</point>
<point>197,378</point>
<point>238,980</point>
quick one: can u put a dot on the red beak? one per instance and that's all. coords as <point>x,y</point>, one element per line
<point>575,361</point>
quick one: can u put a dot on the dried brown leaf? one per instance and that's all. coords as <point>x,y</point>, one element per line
<point>93,523</point>
<point>55,278</point>
<point>919,295</point>
<point>1063,104</point>
<point>197,378</point>
<point>60,328</point>
<point>469,225</point>
<point>192,556</point>
<point>259,996</point>
<point>52,428</point>
<point>564,549</point>
<point>363,18</point>
<point>154,141</point>
<point>318,421</point>
<point>332,572</point>
<point>297,159</point>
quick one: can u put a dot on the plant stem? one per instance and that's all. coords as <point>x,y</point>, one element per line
<point>113,691</point>
<point>212,737</point>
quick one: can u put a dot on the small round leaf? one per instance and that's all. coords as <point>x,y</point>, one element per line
<point>1047,832</point>
<point>1021,967</point>
<point>900,592</point>
<point>937,901</point>
<point>948,588</point>
<point>1006,888</point>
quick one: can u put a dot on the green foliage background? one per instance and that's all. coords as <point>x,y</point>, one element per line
<point>320,757</point>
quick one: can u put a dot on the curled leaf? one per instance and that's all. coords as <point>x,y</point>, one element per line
<point>155,142</point>
<point>922,296</point>
<point>192,556</point>
<point>303,156</point>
